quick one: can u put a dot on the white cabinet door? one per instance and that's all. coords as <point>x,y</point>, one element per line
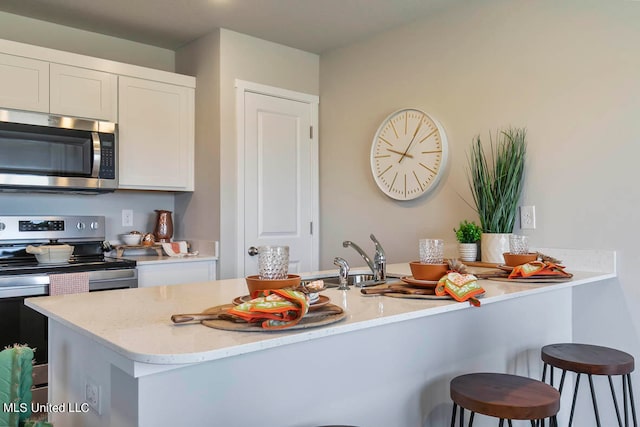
<point>81,92</point>
<point>156,135</point>
<point>175,273</point>
<point>24,83</point>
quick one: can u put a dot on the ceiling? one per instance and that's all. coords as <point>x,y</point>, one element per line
<point>310,25</point>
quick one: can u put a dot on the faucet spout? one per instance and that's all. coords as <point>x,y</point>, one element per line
<point>362,253</point>
<point>379,264</point>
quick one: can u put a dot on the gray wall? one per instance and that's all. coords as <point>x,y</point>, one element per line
<point>248,58</point>
<point>568,71</point>
<point>45,34</point>
<point>108,205</point>
<point>201,209</point>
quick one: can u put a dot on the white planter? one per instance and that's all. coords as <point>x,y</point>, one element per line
<point>468,251</point>
<point>493,245</point>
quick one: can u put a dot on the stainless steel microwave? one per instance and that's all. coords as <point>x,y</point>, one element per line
<point>43,152</point>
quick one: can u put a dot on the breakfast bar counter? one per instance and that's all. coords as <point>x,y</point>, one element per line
<point>387,363</point>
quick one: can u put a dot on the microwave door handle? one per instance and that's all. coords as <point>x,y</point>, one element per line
<point>95,137</point>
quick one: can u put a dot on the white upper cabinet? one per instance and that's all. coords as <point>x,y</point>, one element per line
<point>156,135</point>
<point>24,83</point>
<point>81,92</point>
<point>154,109</point>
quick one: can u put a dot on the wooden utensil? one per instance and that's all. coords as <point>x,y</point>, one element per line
<point>491,274</point>
<point>397,289</point>
<point>218,312</point>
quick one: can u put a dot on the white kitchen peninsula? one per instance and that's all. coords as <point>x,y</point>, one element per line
<point>388,363</point>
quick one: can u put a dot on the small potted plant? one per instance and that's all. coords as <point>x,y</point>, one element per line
<point>468,235</point>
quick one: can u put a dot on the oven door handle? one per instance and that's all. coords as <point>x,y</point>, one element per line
<point>32,285</point>
<point>24,291</point>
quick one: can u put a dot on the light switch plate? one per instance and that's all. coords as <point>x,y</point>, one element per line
<point>527,217</point>
<point>127,218</point>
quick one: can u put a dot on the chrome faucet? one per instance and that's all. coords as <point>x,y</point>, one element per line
<point>343,273</point>
<point>379,264</point>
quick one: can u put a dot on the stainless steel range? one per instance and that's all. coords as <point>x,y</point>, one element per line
<point>21,276</point>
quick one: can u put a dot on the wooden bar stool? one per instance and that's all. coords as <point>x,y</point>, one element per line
<point>504,396</point>
<point>592,360</point>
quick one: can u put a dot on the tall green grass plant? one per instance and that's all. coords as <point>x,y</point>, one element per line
<point>496,179</point>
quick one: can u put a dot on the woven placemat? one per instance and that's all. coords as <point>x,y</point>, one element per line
<point>534,279</point>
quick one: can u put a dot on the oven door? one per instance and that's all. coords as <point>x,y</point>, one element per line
<point>20,324</point>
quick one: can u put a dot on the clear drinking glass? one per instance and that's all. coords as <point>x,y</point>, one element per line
<point>431,251</point>
<point>273,262</point>
<point>518,244</point>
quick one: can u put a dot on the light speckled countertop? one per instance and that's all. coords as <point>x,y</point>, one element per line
<point>136,322</point>
<point>164,259</point>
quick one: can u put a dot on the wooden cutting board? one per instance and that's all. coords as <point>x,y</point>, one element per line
<point>325,315</point>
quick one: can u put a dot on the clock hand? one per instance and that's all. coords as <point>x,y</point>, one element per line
<point>400,152</point>
<point>411,142</point>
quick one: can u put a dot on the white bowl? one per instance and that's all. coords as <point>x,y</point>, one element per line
<point>131,239</point>
<point>51,254</point>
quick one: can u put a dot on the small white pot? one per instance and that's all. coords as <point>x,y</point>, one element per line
<point>493,245</point>
<point>468,251</point>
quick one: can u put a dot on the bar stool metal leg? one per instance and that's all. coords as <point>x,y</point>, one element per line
<point>564,373</point>
<point>573,404</point>
<point>593,398</point>
<point>473,414</point>
<point>615,401</point>
<point>453,415</point>
<point>633,406</point>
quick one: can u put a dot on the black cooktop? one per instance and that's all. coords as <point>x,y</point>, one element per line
<point>74,265</point>
<point>87,256</point>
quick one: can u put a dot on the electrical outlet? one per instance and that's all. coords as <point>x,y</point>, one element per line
<point>527,217</point>
<point>127,218</point>
<point>92,395</point>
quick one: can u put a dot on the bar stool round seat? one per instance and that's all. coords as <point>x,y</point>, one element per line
<point>503,396</point>
<point>588,359</point>
<point>592,360</point>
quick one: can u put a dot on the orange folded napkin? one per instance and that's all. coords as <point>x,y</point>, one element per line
<point>538,268</point>
<point>461,287</point>
<point>274,308</point>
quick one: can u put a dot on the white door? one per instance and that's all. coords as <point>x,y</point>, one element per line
<point>280,179</point>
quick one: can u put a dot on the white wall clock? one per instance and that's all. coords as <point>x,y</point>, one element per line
<point>408,154</point>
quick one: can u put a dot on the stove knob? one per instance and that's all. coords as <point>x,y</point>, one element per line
<point>80,226</point>
<point>95,225</point>
<point>2,226</point>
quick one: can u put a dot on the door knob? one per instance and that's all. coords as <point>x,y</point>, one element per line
<point>253,251</point>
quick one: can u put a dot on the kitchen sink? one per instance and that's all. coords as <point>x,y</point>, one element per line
<point>356,279</point>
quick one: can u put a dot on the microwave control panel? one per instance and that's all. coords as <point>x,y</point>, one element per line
<point>107,156</point>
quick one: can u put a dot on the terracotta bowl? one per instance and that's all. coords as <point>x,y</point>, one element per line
<point>518,259</point>
<point>422,271</point>
<point>255,283</point>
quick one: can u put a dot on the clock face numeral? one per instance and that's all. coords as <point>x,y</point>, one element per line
<point>407,154</point>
